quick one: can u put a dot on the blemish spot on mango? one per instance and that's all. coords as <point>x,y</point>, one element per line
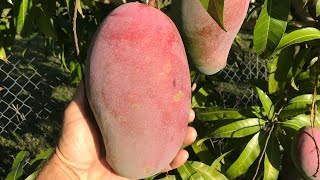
<point>148,170</point>
<point>122,119</point>
<point>136,106</point>
<point>166,68</point>
<point>178,96</point>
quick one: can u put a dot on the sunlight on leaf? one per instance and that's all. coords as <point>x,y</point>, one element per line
<point>271,26</point>
<point>266,103</point>
<point>207,172</point>
<point>247,156</point>
<point>272,159</point>
<point>299,36</point>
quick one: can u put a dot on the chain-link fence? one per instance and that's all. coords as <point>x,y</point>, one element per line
<point>235,90</point>
<point>33,96</point>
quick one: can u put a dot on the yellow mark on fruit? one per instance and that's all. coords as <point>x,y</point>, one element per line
<point>166,68</point>
<point>148,170</point>
<point>136,106</point>
<point>122,119</point>
<point>178,96</point>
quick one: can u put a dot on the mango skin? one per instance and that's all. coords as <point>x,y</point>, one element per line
<point>206,43</point>
<point>138,86</point>
<point>304,153</point>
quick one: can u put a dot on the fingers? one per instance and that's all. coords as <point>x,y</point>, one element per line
<point>191,115</point>
<point>180,159</point>
<point>190,137</point>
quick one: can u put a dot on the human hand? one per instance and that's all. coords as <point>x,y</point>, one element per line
<point>79,152</point>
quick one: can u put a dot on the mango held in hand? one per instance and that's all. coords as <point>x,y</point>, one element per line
<point>138,86</point>
<point>207,44</point>
<point>305,152</point>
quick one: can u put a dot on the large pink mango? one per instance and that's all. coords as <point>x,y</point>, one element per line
<point>138,86</point>
<point>305,152</point>
<point>207,44</point>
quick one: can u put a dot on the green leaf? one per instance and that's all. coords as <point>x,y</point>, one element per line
<point>297,105</point>
<point>21,8</point>
<point>215,8</point>
<point>80,8</point>
<point>68,5</point>
<point>169,177</point>
<point>279,70</point>
<point>203,153</point>
<point>266,103</point>
<point>247,156</point>
<point>3,55</point>
<point>299,36</point>
<point>271,26</point>
<point>238,129</point>
<point>300,60</point>
<point>199,98</point>
<point>217,113</point>
<point>272,159</point>
<point>33,175</point>
<point>45,24</point>
<point>186,171</point>
<point>297,122</point>
<point>17,166</point>
<point>38,161</point>
<point>317,4</point>
<point>217,162</point>
<point>207,172</point>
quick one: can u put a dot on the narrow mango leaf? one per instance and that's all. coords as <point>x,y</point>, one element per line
<point>247,156</point>
<point>217,113</point>
<point>272,159</point>
<point>239,128</point>
<point>80,8</point>
<point>215,9</point>
<point>217,162</point>
<point>299,36</point>
<point>33,175</point>
<point>45,24</point>
<point>279,70</point>
<point>68,5</point>
<point>186,171</point>
<point>3,55</point>
<point>21,8</point>
<point>300,60</point>
<point>40,159</point>
<point>298,122</point>
<point>17,166</point>
<point>199,98</point>
<point>254,111</point>
<point>266,103</point>
<point>207,172</point>
<point>317,4</point>
<point>203,153</point>
<point>297,105</point>
<point>270,26</point>
<point>169,177</point>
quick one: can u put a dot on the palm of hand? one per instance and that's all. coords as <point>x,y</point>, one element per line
<point>79,145</point>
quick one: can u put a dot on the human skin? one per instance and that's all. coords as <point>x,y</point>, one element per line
<point>79,153</point>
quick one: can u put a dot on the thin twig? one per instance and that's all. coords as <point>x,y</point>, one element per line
<point>263,152</point>
<point>75,13</point>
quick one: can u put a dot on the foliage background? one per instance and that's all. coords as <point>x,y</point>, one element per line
<point>244,142</point>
